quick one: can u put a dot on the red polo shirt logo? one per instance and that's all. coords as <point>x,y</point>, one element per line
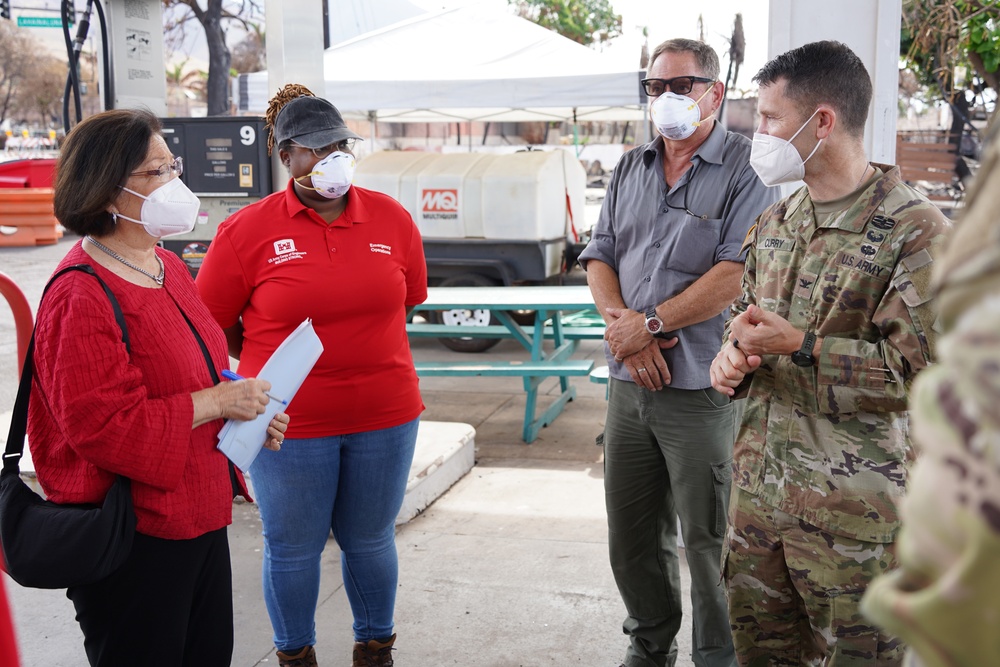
<point>284,246</point>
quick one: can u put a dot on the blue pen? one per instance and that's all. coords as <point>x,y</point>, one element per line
<point>229,375</point>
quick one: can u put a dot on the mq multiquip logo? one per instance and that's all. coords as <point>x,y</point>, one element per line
<point>439,204</point>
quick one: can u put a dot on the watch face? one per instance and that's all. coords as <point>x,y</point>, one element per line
<point>653,325</point>
<point>804,356</point>
<point>803,359</point>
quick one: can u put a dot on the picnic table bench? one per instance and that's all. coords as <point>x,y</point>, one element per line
<point>428,330</point>
<point>564,367</point>
<point>549,304</point>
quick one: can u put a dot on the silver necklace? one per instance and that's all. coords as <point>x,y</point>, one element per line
<point>157,279</point>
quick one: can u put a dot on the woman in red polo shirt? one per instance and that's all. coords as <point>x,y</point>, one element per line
<point>351,260</point>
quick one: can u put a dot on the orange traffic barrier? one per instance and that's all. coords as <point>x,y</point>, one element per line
<point>27,217</point>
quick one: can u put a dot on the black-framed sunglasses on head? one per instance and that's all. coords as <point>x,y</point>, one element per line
<point>679,85</point>
<point>344,146</point>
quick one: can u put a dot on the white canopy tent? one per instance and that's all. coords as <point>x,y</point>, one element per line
<point>350,18</point>
<point>467,63</point>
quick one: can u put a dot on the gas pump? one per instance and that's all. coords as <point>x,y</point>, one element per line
<point>225,158</point>
<point>226,165</point>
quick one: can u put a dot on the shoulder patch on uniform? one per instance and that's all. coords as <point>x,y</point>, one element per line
<point>747,240</point>
<point>914,283</point>
<point>917,260</point>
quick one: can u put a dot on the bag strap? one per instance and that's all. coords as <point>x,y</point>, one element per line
<point>233,479</point>
<point>19,419</point>
<point>204,348</point>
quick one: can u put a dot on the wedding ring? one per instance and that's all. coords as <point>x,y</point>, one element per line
<point>642,370</point>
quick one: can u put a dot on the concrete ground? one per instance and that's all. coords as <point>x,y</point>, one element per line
<point>507,569</point>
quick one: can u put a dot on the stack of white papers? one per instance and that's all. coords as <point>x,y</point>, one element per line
<point>286,370</point>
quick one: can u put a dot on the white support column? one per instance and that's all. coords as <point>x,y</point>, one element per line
<point>871,29</point>
<point>294,55</point>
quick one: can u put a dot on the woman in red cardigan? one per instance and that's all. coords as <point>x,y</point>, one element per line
<point>98,411</point>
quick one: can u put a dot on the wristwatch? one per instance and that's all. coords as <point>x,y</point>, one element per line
<point>804,357</point>
<point>654,324</point>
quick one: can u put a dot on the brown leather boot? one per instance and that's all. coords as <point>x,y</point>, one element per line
<point>304,658</point>
<point>374,653</point>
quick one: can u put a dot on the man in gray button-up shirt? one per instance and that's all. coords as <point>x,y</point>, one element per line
<point>664,265</point>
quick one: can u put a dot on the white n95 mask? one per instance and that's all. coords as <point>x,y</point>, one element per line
<point>776,160</point>
<point>677,116</point>
<point>168,210</point>
<point>332,176</point>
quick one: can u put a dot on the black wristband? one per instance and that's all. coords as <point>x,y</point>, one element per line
<point>804,357</point>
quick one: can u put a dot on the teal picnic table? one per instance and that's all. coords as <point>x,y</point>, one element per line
<point>550,304</point>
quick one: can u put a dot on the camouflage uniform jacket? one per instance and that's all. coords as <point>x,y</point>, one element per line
<point>943,600</point>
<point>828,443</point>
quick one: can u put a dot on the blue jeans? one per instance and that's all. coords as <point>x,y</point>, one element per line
<point>354,485</point>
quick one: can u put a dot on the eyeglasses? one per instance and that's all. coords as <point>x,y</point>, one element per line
<point>344,146</point>
<point>666,198</point>
<point>177,166</point>
<point>679,85</point>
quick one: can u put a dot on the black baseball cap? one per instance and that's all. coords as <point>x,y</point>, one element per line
<point>311,122</point>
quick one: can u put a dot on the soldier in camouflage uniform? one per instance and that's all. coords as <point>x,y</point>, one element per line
<point>833,324</point>
<point>944,601</point>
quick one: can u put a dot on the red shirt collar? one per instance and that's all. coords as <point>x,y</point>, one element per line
<point>356,211</point>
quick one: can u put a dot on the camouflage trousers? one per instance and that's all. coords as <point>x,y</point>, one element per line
<point>795,591</point>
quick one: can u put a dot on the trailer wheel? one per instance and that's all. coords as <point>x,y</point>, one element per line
<point>523,317</point>
<point>466,317</point>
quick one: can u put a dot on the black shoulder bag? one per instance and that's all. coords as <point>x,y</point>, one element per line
<point>48,545</point>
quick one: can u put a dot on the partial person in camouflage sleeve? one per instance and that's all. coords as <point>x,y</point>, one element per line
<point>944,600</point>
<point>665,257</point>
<point>833,324</point>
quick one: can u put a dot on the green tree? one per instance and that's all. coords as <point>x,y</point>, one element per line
<point>938,36</point>
<point>250,54</point>
<point>184,85</point>
<point>213,18</point>
<point>42,100</point>
<point>586,22</point>
<point>17,56</point>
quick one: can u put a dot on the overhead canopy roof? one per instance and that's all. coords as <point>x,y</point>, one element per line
<point>467,63</point>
